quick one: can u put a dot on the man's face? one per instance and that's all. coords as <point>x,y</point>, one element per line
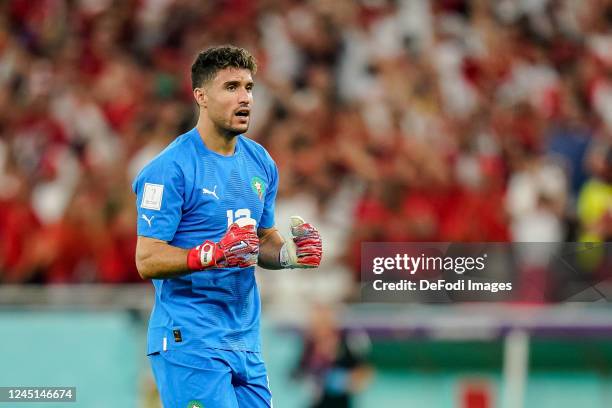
<point>228,99</point>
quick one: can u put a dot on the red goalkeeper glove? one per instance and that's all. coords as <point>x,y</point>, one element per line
<point>304,249</point>
<point>239,247</point>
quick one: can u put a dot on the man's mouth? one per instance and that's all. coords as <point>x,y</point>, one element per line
<point>244,113</point>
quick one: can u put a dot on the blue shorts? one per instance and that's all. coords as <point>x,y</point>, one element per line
<point>211,378</point>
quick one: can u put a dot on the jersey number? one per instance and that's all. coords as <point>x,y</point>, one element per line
<point>232,215</point>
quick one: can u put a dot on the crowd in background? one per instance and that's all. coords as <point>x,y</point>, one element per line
<point>405,120</point>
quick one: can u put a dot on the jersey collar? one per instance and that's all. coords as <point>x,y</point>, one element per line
<point>205,150</point>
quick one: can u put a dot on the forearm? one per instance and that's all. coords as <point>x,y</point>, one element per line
<point>359,378</point>
<point>158,260</point>
<point>270,245</point>
<point>303,250</point>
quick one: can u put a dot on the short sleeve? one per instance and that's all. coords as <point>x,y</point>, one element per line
<point>267,216</point>
<point>160,196</point>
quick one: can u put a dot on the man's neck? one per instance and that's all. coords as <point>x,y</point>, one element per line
<point>215,139</point>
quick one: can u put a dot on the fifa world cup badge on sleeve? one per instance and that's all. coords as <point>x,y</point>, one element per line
<point>152,196</point>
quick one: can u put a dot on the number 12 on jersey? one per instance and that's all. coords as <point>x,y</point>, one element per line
<point>233,216</point>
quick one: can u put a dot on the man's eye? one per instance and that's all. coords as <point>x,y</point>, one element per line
<point>231,87</point>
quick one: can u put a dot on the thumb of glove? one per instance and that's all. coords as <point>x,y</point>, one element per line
<point>296,223</point>
<point>288,253</point>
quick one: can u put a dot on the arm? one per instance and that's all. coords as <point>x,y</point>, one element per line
<point>270,244</point>
<point>359,377</point>
<point>156,259</point>
<point>303,250</point>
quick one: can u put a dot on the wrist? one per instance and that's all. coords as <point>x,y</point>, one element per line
<point>203,256</point>
<point>288,255</point>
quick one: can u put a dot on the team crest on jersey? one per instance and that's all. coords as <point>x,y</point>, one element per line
<point>259,187</point>
<point>195,404</point>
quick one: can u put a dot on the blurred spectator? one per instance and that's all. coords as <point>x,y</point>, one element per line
<point>536,197</point>
<point>595,199</point>
<point>335,360</point>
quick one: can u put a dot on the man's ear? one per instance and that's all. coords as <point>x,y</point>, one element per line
<point>201,97</point>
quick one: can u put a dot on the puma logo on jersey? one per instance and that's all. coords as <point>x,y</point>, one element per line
<point>148,220</point>
<point>212,193</point>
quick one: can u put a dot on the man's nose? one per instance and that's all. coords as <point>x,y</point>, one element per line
<point>244,96</point>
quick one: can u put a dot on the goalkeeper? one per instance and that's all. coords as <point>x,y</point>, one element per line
<point>205,219</point>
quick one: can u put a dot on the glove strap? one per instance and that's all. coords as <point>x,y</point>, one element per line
<point>201,256</point>
<point>283,257</point>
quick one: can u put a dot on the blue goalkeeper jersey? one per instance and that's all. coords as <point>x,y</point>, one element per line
<point>189,194</point>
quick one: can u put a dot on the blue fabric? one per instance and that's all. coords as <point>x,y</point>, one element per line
<point>189,194</point>
<point>570,144</point>
<point>211,378</point>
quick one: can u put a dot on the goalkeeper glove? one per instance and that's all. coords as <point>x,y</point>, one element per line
<point>239,247</point>
<point>304,249</point>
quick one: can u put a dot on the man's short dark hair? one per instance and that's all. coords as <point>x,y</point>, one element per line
<point>214,59</point>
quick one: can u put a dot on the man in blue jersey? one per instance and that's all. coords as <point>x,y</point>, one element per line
<point>205,219</point>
